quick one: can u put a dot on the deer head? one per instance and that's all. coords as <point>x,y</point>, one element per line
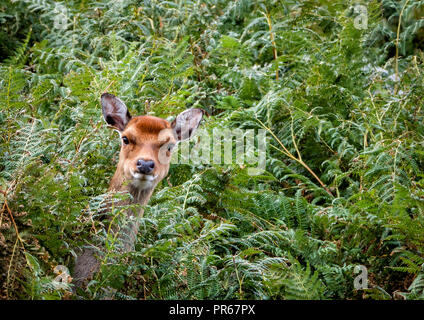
<point>146,143</point>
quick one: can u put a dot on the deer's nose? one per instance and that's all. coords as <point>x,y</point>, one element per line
<point>145,166</point>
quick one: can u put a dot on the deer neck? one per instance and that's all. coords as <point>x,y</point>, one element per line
<point>139,195</point>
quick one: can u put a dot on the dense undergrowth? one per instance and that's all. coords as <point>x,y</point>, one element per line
<point>343,110</point>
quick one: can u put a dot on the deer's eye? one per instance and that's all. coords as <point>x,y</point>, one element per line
<point>170,146</point>
<point>125,140</point>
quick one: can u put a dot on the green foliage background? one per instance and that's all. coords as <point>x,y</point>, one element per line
<point>341,103</point>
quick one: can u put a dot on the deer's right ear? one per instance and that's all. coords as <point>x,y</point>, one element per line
<point>115,112</point>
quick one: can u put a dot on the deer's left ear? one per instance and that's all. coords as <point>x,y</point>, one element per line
<point>186,123</point>
<point>115,112</point>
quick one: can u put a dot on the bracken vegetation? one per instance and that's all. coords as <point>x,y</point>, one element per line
<point>342,105</point>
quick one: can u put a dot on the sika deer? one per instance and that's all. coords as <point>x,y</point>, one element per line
<point>146,148</point>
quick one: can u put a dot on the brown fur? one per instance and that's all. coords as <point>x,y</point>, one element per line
<point>142,132</point>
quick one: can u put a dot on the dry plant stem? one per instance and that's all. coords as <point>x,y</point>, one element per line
<point>238,278</point>
<point>10,267</point>
<point>397,45</point>
<point>291,156</point>
<point>18,238</point>
<point>5,205</point>
<point>109,85</point>
<point>293,138</point>
<point>274,46</point>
